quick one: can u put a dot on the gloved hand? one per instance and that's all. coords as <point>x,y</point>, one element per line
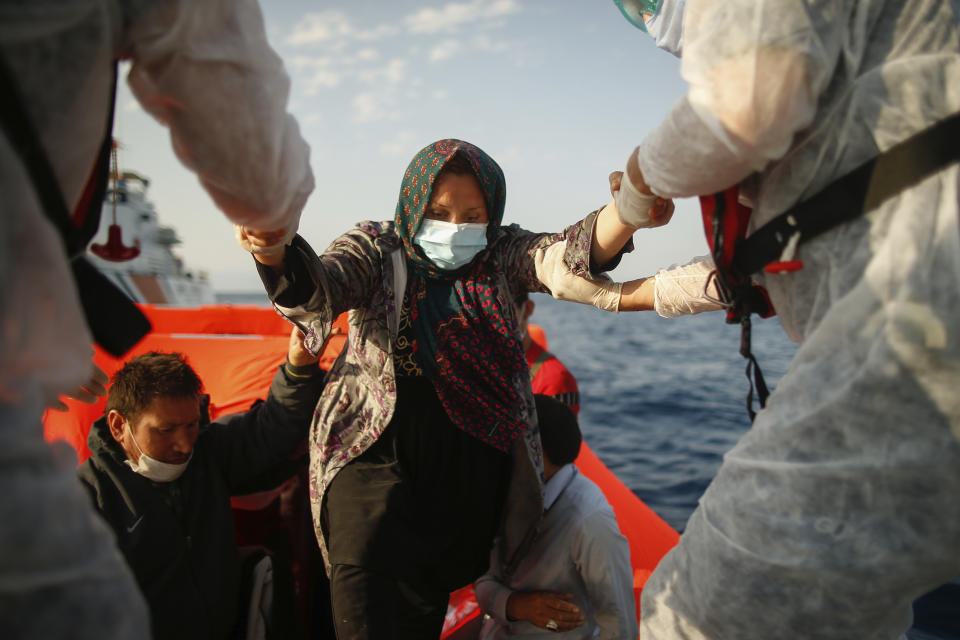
<point>89,392</point>
<point>565,285</point>
<point>684,290</point>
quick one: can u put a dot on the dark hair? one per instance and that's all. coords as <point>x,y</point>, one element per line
<point>559,430</point>
<point>458,165</point>
<point>149,376</point>
<point>520,297</point>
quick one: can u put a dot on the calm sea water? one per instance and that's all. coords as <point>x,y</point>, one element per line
<point>661,400</point>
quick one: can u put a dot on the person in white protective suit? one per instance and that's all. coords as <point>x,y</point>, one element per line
<point>839,507</point>
<point>205,70</point>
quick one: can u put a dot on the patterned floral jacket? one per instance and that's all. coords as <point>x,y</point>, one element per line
<point>364,271</point>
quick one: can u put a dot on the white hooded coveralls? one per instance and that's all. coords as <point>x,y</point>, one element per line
<point>205,70</point>
<point>839,507</point>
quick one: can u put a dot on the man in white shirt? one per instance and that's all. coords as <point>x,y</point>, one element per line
<point>575,579</point>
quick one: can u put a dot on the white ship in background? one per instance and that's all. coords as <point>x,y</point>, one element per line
<point>136,252</point>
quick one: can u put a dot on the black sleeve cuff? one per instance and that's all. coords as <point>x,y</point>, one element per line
<point>291,286</point>
<point>301,372</point>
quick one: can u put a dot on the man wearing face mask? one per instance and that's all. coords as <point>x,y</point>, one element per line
<point>162,479</point>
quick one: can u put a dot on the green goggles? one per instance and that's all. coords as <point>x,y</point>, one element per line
<point>634,10</point>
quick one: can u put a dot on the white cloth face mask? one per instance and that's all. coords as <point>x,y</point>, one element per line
<point>448,245</point>
<point>154,469</point>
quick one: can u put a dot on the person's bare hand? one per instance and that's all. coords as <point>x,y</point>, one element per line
<point>89,392</point>
<point>615,178</point>
<point>546,609</point>
<point>297,354</point>
<point>258,239</point>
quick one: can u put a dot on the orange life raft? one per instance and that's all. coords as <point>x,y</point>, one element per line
<point>236,349</point>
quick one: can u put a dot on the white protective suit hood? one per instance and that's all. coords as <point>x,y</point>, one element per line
<point>662,19</point>
<point>838,508</point>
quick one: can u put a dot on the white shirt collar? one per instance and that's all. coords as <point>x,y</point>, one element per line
<point>556,484</point>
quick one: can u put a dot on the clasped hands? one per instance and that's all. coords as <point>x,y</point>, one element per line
<point>638,207</point>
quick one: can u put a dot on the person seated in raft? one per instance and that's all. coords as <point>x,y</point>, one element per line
<point>576,578</point>
<point>162,480</point>
<point>424,442</point>
<point>548,375</point>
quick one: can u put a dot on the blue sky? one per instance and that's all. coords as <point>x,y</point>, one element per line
<point>558,92</point>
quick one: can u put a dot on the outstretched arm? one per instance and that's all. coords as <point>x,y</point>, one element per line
<point>250,445</point>
<point>206,71</point>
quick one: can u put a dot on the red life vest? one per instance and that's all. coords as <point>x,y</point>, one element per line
<point>737,257</point>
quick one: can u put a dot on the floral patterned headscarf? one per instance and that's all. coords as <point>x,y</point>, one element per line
<point>464,344</point>
<point>417,187</point>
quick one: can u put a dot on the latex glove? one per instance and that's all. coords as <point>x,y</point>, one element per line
<point>89,392</point>
<point>686,289</point>
<point>565,285</point>
<point>545,609</point>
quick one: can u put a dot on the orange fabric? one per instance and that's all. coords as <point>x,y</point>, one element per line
<point>234,349</point>
<point>217,318</point>
<point>538,335</point>
<point>235,371</point>
<point>649,535</point>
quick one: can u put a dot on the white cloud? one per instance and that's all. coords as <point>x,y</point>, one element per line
<point>454,14</point>
<point>378,32</point>
<point>484,42</point>
<point>321,27</point>
<point>325,27</point>
<point>314,74</point>
<point>368,108</point>
<point>394,72</point>
<point>402,145</point>
<point>444,50</point>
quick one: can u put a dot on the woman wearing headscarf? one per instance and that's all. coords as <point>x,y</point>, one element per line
<point>424,444</point>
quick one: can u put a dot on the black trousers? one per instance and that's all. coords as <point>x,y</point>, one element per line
<point>371,605</point>
<point>410,520</point>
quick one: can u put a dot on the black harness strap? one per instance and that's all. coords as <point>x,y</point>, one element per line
<point>115,322</point>
<point>858,192</point>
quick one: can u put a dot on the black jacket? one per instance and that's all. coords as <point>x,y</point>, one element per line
<point>178,537</point>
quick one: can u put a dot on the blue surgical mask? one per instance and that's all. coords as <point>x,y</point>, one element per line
<point>448,245</point>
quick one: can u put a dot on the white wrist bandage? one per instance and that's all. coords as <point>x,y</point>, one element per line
<point>632,206</point>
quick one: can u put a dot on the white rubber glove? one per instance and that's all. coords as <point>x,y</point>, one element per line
<point>564,285</point>
<point>680,290</point>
